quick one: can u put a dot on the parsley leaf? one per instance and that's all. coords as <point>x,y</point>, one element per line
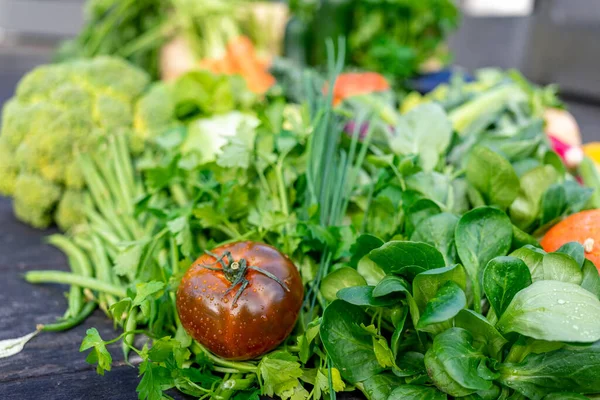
<point>145,291</point>
<point>99,354</point>
<point>238,151</point>
<point>155,379</point>
<point>278,373</point>
<point>118,309</point>
<point>180,228</point>
<point>127,261</point>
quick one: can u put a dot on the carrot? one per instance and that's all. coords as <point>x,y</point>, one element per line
<point>241,58</point>
<point>244,57</point>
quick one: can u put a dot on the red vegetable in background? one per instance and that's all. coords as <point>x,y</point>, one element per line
<point>241,300</point>
<point>571,155</point>
<point>357,83</point>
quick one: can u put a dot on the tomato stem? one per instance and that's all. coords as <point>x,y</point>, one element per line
<point>293,349</point>
<point>235,272</point>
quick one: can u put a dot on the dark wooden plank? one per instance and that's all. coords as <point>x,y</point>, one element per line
<point>22,245</point>
<point>120,383</point>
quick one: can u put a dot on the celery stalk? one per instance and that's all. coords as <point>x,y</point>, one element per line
<point>491,101</point>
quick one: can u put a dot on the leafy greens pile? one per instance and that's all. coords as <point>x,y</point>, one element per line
<point>416,238</point>
<point>137,30</point>
<point>397,38</point>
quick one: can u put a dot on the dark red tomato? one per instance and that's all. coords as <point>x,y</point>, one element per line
<point>241,300</point>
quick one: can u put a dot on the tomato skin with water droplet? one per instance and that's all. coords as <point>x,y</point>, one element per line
<point>263,316</point>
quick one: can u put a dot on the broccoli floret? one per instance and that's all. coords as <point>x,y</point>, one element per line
<point>38,84</point>
<point>58,111</point>
<point>34,200</point>
<point>114,75</point>
<point>154,114</point>
<point>113,112</point>
<point>8,169</point>
<point>70,210</point>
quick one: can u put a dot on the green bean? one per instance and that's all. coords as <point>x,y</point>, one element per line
<point>114,176</point>
<point>104,167</point>
<point>125,160</point>
<point>73,279</point>
<point>72,322</point>
<point>101,195</point>
<point>100,225</point>
<point>130,325</point>
<point>99,192</point>
<point>108,237</point>
<point>111,251</point>
<point>121,175</point>
<point>80,263</point>
<point>75,301</point>
<point>131,224</point>
<point>103,269</point>
<point>83,242</point>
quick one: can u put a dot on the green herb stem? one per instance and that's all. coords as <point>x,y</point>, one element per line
<point>146,40</point>
<point>224,370</point>
<point>149,250</point>
<point>173,255</point>
<point>197,348</point>
<point>238,383</point>
<point>332,395</point>
<point>179,195</point>
<point>229,229</point>
<point>281,186</point>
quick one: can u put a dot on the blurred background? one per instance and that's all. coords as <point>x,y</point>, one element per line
<point>550,41</point>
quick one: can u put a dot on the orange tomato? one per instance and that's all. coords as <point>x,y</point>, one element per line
<point>583,227</point>
<point>357,83</point>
